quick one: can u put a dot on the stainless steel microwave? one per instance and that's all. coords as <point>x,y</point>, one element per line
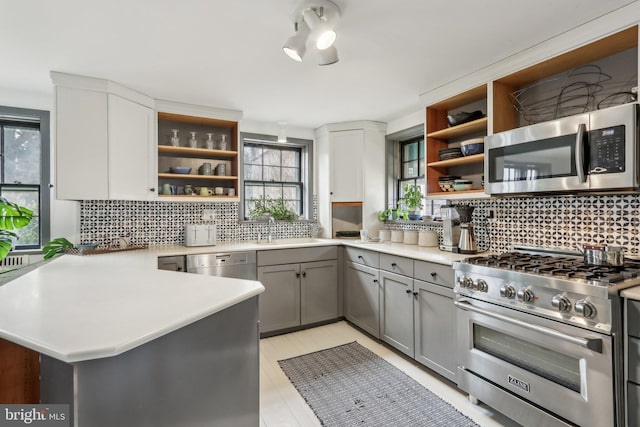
<point>596,151</point>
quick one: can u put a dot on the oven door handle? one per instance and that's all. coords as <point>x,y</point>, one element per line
<point>594,344</point>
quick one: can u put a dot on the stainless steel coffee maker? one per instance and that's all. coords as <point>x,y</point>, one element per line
<point>450,229</point>
<point>467,243</point>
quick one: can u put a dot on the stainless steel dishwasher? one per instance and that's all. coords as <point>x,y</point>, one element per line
<point>237,265</point>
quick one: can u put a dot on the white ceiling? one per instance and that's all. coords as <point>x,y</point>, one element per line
<point>228,53</point>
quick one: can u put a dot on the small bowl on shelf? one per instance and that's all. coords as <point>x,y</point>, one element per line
<point>472,146</point>
<point>462,185</point>
<point>180,169</point>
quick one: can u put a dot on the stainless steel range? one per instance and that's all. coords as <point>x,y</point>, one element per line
<point>539,336</point>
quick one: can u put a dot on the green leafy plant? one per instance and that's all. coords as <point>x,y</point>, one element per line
<point>56,246</point>
<point>412,197</point>
<point>277,208</point>
<point>384,215</point>
<point>12,216</point>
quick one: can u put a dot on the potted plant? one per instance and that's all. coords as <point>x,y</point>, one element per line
<point>12,216</point>
<point>413,200</point>
<point>277,208</point>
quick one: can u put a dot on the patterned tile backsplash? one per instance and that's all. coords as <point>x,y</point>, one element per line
<point>552,222</point>
<point>162,223</point>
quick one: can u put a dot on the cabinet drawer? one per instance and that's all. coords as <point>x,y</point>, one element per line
<point>396,264</point>
<point>439,274</point>
<point>362,256</point>
<point>633,404</point>
<point>633,318</point>
<point>293,256</point>
<point>634,360</point>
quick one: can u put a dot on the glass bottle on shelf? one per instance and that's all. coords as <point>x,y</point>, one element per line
<point>175,141</point>
<point>193,142</point>
<point>210,144</point>
<point>223,142</point>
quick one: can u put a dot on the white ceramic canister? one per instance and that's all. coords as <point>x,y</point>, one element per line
<point>384,235</point>
<point>428,238</point>
<point>410,237</point>
<point>397,236</point>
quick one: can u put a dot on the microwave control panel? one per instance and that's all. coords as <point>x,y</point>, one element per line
<point>607,150</point>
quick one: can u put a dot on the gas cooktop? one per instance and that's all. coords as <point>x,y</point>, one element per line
<point>558,266</point>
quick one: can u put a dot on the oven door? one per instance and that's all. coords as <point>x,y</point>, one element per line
<point>561,370</point>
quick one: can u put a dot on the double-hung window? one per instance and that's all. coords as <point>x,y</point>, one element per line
<point>24,170</point>
<point>411,164</point>
<point>274,170</point>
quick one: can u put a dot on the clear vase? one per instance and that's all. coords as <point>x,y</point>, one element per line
<point>209,142</point>
<point>193,142</point>
<point>175,141</point>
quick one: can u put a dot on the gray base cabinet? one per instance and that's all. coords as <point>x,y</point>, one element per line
<point>434,328</point>
<point>361,297</point>
<point>396,311</point>
<point>280,302</point>
<point>632,351</point>
<point>318,291</point>
<point>299,293</point>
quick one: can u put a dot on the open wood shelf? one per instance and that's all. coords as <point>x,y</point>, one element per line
<point>447,195</point>
<point>468,128</point>
<point>197,152</point>
<point>193,176</point>
<point>460,161</point>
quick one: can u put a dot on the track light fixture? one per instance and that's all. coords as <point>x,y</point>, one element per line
<point>314,22</point>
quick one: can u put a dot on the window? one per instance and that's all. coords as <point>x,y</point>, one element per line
<point>276,170</point>
<point>412,164</point>
<point>407,166</point>
<point>24,169</point>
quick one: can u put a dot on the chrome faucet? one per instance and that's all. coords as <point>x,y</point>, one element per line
<point>271,221</point>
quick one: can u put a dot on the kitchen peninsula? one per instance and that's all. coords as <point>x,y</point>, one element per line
<point>126,344</point>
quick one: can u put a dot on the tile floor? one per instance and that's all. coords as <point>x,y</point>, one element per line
<point>282,406</point>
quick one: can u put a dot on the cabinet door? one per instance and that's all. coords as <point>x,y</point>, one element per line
<point>435,328</point>
<point>361,297</point>
<point>81,144</point>
<point>279,306</point>
<point>131,150</point>
<point>347,149</point>
<point>318,291</point>
<point>396,311</point>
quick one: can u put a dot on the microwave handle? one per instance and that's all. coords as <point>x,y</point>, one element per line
<point>582,129</point>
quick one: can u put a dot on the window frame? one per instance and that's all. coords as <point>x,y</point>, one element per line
<point>28,117</point>
<point>306,168</point>
<point>394,172</point>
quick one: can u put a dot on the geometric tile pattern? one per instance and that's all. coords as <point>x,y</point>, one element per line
<point>551,222</point>
<point>161,223</point>
<point>555,222</point>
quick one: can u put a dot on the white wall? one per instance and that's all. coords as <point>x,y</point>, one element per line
<point>406,122</point>
<point>65,215</point>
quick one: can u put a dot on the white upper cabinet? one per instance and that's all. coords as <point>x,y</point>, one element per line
<point>347,150</point>
<point>105,145</point>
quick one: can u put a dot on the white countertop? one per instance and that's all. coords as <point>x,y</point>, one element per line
<point>77,308</point>
<point>632,293</point>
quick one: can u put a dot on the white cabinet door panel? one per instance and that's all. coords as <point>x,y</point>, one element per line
<point>347,148</point>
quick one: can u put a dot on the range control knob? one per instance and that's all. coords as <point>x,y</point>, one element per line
<point>585,308</point>
<point>561,303</point>
<point>466,282</point>
<point>525,295</point>
<point>508,291</point>
<point>482,286</point>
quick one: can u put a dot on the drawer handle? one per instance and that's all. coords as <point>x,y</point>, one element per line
<point>434,274</point>
<point>415,294</point>
<point>409,291</point>
<point>394,265</point>
<point>375,280</point>
<point>360,257</point>
<point>298,275</point>
<point>304,274</point>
